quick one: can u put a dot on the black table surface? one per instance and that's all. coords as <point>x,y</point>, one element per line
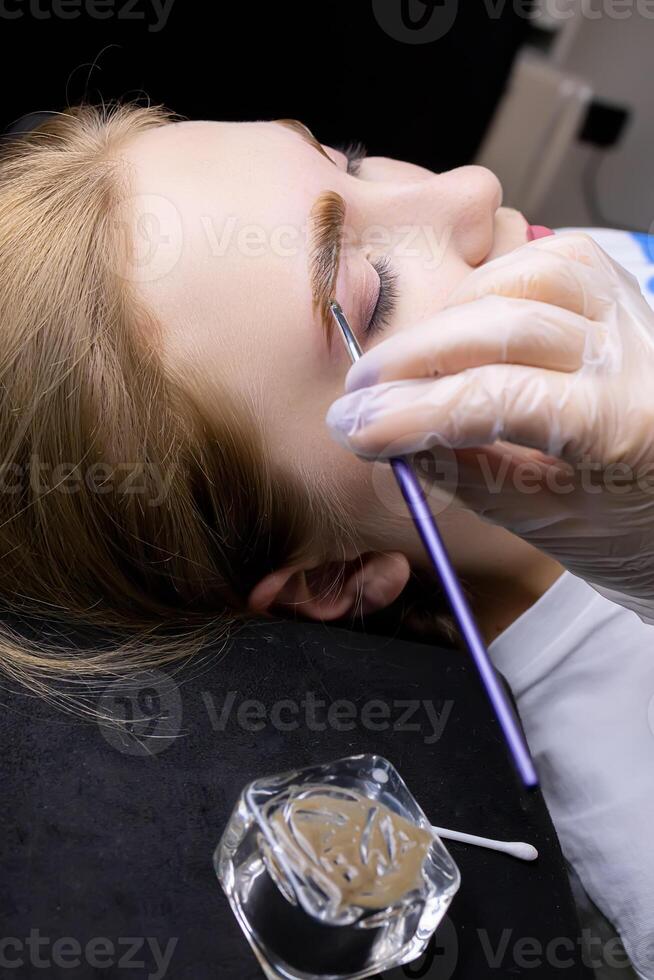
<point>108,832</point>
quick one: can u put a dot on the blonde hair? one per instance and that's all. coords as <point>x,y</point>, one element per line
<point>125,514</point>
<point>121,506</point>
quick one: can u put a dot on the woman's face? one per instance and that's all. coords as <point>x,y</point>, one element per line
<point>233,243</point>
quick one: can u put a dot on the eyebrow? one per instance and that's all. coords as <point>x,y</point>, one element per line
<point>326,223</point>
<point>326,228</point>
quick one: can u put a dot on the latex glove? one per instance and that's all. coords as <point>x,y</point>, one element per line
<point>539,374</point>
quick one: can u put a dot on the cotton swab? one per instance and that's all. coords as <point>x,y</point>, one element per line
<point>517,849</point>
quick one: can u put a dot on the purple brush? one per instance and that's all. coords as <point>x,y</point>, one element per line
<point>426,525</point>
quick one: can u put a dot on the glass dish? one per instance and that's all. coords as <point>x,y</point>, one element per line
<point>334,871</point>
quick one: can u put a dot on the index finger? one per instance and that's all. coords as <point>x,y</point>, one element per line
<point>490,330</point>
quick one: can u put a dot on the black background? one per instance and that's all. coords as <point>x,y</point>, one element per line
<point>110,833</point>
<point>329,64</point>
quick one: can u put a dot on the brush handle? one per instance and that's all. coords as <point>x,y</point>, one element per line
<point>426,527</point>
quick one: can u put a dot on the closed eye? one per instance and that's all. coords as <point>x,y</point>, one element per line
<point>387,296</point>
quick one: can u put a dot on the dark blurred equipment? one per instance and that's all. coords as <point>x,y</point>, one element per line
<point>604,124</point>
<point>571,139</point>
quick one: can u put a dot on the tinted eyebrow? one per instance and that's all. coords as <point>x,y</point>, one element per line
<point>326,227</point>
<point>306,134</point>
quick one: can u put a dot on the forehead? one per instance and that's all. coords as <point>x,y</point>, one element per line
<point>254,169</point>
<point>219,215</point>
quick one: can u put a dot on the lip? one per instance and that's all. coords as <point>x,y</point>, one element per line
<point>535,232</point>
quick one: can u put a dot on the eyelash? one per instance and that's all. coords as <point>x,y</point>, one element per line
<point>387,297</point>
<point>355,154</point>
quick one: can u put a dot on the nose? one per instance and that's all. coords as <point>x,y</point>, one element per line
<point>465,201</point>
<point>476,183</point>
<point>459,204</point>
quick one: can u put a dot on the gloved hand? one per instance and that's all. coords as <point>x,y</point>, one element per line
<point>539,376</point>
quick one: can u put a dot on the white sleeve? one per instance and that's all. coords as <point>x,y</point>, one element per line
<point>582,670</point>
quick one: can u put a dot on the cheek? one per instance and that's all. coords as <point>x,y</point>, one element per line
<point>424,283</point>
<point>369,498</point>
<point>368,494</point>
<point>441,279</point>
<point>339,476</point>
<point>297,437</point>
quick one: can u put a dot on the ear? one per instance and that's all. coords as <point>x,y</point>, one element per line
<point>331,590</point>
